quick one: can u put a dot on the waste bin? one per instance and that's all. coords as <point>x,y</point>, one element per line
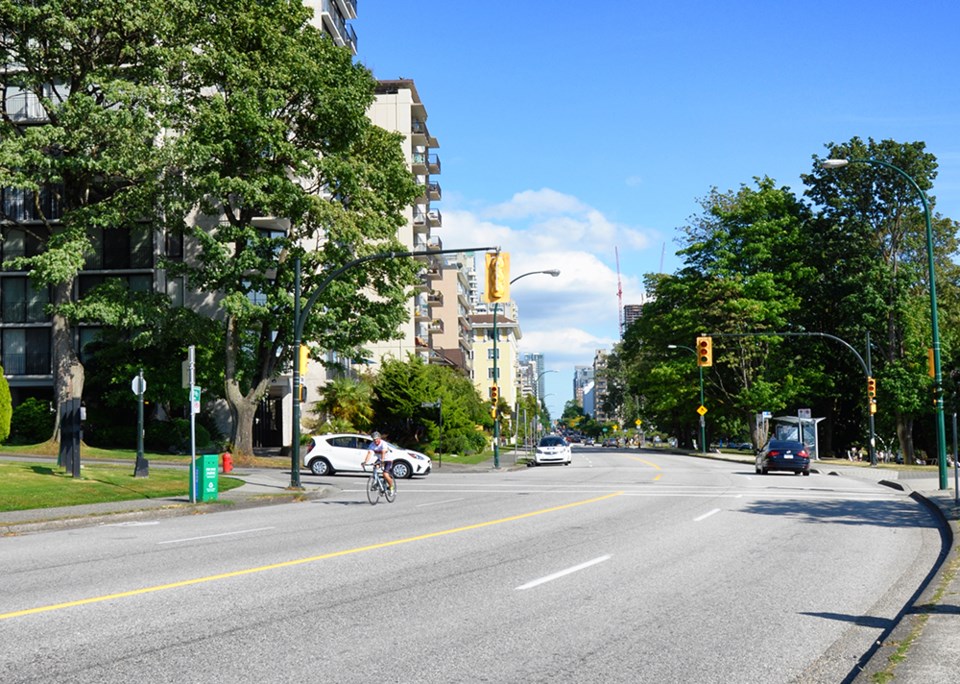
<point>207,467</point>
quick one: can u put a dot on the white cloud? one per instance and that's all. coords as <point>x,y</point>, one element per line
<point>537,203</point>
<point>570,317</point>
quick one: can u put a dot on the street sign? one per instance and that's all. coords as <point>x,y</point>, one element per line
<point>702,410</point>
<point>804,414</point>
<point>767,414</point>
<point>195,399</point>
<point>139,385</point>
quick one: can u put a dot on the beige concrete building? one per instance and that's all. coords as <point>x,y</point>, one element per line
<point>508,339</point>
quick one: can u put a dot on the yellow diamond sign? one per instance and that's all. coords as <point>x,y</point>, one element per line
<point>702,410</point>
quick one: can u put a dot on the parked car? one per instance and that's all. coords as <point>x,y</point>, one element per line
<point>552,449</point>
<point>610,442</point>
<point>782,454</point>
<point>344,453</point>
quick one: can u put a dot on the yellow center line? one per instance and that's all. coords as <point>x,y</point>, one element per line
<point>644,461</point>
<point>299,561</point>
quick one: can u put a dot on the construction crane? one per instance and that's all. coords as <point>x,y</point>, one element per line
<point>616,251</point>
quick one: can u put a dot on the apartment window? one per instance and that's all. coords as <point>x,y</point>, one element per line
<point>490,375</point>
<point>21,205</point>
<point>141,282</point>
<point>173,245</point>
<point>22,302</point>
<point>490,353</point>
<point>26,351</point>
<point>121,248</point>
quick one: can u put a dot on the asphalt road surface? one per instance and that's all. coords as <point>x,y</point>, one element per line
<point>623,567</point>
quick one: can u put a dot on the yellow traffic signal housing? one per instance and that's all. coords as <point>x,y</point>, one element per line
<point>704,351</point>
<point>497,274</point>
<point>494,395</point>
<point>871,388</point>
<point>931,365</point>
<point>304,357</point>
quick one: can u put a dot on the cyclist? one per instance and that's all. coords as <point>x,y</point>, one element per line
<point>380,451</point>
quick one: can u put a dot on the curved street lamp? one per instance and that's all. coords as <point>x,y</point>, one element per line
<point>703,420</point>
<point>496,380</point>
<point>934,324</point>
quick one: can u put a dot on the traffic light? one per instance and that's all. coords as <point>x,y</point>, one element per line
<point>704,351</point>
<point>931,365</point>
<point>494,395</point>
<point>871,388</point>
<point>497,273</point>
<point>304,357</point>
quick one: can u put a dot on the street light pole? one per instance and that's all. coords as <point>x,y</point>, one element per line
<point>934,322</point>
<point>496,380</point>
<point>703,419</point>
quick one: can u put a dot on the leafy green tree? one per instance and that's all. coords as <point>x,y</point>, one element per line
<point>346,404</point>
<point>401,390</point>
<point>739,276</point>
<point>273,123</point>
<point>84,147</point>
<point>870,243</point>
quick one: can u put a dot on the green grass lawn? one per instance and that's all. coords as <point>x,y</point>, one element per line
<point>42,485</point>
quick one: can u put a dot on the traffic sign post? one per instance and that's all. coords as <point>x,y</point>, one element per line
<point>139,386</point>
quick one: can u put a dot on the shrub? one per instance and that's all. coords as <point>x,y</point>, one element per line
<point>32,422</point>
<point>6,407</point>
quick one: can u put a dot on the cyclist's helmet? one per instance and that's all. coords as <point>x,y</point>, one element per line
<point>375,435</point>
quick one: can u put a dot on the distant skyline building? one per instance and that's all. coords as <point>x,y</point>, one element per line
<point>631,314</point>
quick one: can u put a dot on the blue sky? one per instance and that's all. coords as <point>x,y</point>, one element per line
<point>572,131</point>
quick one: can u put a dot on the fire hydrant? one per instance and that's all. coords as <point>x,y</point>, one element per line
<point>227,462</point>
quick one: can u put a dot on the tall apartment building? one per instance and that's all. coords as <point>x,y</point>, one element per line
<point>508,338</point>
<point>631,313</point>
<point>600,385</point>
<point>532,378</point>
<point>451,339</point>
<point>398,108</point>
<point>331,17</point>
<point>582,377</point>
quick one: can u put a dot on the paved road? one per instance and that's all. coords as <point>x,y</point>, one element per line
<point>623,567</point>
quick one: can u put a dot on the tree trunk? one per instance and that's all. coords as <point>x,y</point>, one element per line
<point>905,437</point>
<point>68,373</point>
<point>244,409</point>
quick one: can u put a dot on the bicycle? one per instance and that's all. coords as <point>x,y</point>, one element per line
<point>377,485</point>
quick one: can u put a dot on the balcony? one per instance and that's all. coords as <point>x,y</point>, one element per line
<point>423,313</point>
<point>433,163</point>
<point>435,327</point>
<point>435,298</point>
<point>421,221</point>
<point>431,190</point>
<point>429,245</point>
<point>419,133</point>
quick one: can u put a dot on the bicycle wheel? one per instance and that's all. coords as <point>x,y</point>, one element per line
<point>391,494</point>
<point>373,490</point>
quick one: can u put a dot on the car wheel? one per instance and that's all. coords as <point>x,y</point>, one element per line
<point>321,467</point>
<point>402,470</point>
<point>757,469</point>
<point>806,473</point>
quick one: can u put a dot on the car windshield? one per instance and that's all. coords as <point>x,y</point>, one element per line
<point>551,441</point>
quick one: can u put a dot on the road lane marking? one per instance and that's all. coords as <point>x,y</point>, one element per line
<point>437,503</point>
<point>707,515</point>
<point>562,573</point>
<point>213,536</point>
<point>299,561</point>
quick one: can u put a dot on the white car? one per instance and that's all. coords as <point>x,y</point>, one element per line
<point>552,449</point>
<point>344,453</point>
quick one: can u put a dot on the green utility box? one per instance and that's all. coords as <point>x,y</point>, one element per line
<point>207,468</point>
